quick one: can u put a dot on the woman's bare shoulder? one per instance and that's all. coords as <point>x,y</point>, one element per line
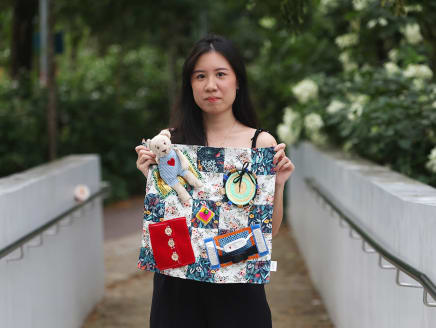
<point>265,139</point>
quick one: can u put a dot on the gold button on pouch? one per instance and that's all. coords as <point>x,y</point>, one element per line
<point>175,256</point>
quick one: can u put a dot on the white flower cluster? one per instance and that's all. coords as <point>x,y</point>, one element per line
<point>267,22</point>
<point>347,63</point>
<point>355,111</point>
<point>415,8</point>
<point>393,55</point>
<point>290,129</point>
<point>305,90</point>
<point>433,104</point>
<point>391,68</point>
<point>347,40</point>
<point>431,164</point>
<point>412,33</point>
<point>358,98</point>
<point>335,106</point>
<point>326,5</point>
<point>361,4</point>
<point>373,22</point>
<point>312,124</point>
<point>418,71</point>
<point>358,101</point>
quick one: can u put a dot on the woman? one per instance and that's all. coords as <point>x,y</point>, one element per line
<point>215,110</point>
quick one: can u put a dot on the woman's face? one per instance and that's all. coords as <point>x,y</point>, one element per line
<point>213,83</point>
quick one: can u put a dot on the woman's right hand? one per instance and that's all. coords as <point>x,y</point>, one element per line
<point>145,159</point>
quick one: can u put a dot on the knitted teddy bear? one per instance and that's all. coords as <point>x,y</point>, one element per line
<point>172,163</point>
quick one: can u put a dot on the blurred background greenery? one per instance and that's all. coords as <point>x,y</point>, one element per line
<point>351,74</point>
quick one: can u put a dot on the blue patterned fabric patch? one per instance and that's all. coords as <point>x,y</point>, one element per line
<point>262,215</point>
<point>154,208</point>
<point>257,272</point>
<point>200,270</point>
<point>146,260</point>
<point>262,161</point>
<point>210,159</point>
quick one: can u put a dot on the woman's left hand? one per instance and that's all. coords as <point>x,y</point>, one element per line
<point>283,165</point>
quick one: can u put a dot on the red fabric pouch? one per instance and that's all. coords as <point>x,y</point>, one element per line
<point>171,243</point>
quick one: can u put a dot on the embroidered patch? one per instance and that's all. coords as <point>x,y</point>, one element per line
<point>213,223</point>
<point>205,215</point>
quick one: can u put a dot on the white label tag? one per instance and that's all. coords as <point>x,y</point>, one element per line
<point>273,266</point>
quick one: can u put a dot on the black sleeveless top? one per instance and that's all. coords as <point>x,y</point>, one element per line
<point>254,139</point>
<point>185,303</point>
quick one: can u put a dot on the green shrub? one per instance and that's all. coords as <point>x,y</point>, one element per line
<point>382,104</point>
<point>105,106</point>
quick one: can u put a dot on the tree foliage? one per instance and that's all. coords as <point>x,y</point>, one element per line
<point>117,77</point>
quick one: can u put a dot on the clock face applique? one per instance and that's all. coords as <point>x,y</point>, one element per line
<point>240,186</point>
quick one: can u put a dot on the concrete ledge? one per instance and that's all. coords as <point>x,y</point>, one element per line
<point>57,283</point>
<point>398,211</point>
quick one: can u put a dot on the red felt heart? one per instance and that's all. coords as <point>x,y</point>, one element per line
<point>171,162</point>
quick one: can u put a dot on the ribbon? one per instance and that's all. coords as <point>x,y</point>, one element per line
<point>241,174</point>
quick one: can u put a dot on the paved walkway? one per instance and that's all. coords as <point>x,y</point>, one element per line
<point>126,303</point>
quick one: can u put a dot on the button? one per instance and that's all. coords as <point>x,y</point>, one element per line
<point>175,256</point>
<point>171,242</point>
<point>168,231</point>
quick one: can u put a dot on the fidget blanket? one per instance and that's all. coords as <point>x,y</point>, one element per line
<point>223,235</point>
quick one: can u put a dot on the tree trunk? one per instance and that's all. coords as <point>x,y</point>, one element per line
<point>75,41</point>
<point>22,31</point>
<point>51,87</point>
<point>172,83</point>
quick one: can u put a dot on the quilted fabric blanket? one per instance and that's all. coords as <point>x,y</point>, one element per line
<point>224,234</point>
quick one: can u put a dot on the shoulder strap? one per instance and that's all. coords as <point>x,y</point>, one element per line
<point>254,139</point>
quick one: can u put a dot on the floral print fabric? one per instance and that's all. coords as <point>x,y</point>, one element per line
<point>210,164</point>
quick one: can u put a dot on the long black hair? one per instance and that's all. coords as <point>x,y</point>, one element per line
<point>186,118</point>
